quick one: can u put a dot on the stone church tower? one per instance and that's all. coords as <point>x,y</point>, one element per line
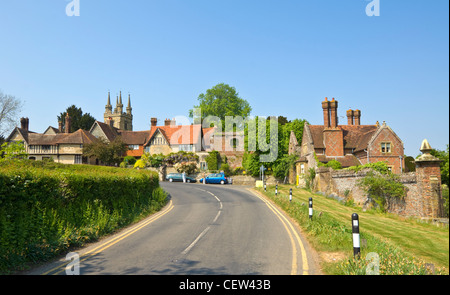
<point>119,119</point>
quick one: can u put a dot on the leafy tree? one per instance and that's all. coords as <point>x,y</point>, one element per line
<point>222,100</point>
<point>213,160</point>
<point>78,120</point>
<point>109,153</point>
<point>13,151</point>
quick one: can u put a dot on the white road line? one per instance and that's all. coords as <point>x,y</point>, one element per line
<point>206,229</point>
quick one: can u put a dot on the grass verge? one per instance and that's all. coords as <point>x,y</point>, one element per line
<point>401,246</point>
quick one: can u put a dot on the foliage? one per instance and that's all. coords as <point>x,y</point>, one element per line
<point>282,166</point>
<point>182,156</point>
<point>47,208</point>
<point>213,160</point>
<point>226,169</point>
<point>380,167</point>
<point>251,164</point>
<point>186,167</point>
<point>309,177</point>
<point>109,153</point>
<point>13,151</point>
<point>139,164</point>
<point>78,120</point>
<point>129,160</point>
<point>336,165</point>
<point>380,188</point>
<point>443,156</point>
<point>222,100</point>
<point>153,160</point>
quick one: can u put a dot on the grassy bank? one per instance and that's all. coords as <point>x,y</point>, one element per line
<point>48,208</point>
<point>404,246</point>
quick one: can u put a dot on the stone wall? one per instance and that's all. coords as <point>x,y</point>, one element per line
<point>418,201</point>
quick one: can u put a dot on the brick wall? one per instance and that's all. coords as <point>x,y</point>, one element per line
<point>423,194</point>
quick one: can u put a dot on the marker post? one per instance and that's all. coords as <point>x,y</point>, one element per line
<point>356,238</point>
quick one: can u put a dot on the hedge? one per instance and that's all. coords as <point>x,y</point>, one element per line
<point>48,208</point>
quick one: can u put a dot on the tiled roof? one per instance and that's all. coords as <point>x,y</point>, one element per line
<point>78,137</point>
<point>355,137</point>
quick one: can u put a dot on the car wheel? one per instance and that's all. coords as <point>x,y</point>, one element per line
<point>170,179</point>
<point>188,180</point>
<point>222,182</point>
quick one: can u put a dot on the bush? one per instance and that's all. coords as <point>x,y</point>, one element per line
<point>47,208</point>
<point>213,160</point>
<point>382,187</point>
<point>129,160</point>
<point>139,164</point>
<point>226,169</point>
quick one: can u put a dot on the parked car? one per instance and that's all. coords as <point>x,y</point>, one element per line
<point>216,178</point>
<point>171,177</point>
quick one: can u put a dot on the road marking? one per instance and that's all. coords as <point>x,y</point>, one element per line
<point>115,240</point>
<point>207,228</point>
<point>281,216</point>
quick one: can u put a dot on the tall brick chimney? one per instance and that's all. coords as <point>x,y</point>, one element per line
<point>154,122</point>
<point>326,112</point>
<point>333,113</point>
<point>24,123</point>
<point>67,124</point>
<point>350,117</point>
<point>357,116</point>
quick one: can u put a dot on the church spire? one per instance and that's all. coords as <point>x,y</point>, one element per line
<point>129,105</point>
<point>108,107</point>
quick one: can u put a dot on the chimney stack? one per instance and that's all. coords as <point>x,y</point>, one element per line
<point>67,124</point>
<point>333,113</point>
<point>350,117</point>
<point>154,122</point>
<point>357,117</point>
<point>60,126</point>
<point>24,123</point>
<point>326,113</point>
<point>169,122</point>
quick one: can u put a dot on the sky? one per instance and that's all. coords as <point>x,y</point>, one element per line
<point>284,57</point>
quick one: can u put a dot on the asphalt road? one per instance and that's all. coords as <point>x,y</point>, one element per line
<point>204,230</point>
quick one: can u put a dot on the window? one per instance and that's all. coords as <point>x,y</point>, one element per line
<point>78,159</point>
<point>385,147</point>
<point>133,147</point>
<point>186,148</point>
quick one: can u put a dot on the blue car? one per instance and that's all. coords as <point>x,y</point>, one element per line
<point>216,178</point>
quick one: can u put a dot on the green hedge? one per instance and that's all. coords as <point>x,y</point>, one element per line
<point>47,208</point>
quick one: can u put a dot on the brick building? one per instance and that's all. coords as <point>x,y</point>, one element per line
<point>352,144</point>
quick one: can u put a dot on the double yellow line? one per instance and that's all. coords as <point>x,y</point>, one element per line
<point>292,232</point>
<point>61,268</point>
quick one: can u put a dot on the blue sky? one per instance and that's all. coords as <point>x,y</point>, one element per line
<point>283,56</point>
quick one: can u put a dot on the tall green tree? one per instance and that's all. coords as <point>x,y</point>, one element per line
<point>109,153</point>
<point>78,120</point>
<point>221,101</point>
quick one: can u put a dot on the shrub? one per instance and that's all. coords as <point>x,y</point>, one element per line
<point>382,187</point>
<point>213,160</point>
<point>226,169</point>
<point>139,164</point>
<point>129,160</point>
<point>47,208</point>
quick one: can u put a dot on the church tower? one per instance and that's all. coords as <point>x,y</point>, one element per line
<point>119,119</point>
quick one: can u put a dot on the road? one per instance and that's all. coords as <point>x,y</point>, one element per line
<point>204,230</point>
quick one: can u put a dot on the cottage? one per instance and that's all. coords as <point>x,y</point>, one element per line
<point>352,144</point>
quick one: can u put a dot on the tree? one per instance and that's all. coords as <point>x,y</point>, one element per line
<point>222,100</point>
<point>78,120</point>
<point>109,153</point>
<point>10,108</point>
<point>12,151</point>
